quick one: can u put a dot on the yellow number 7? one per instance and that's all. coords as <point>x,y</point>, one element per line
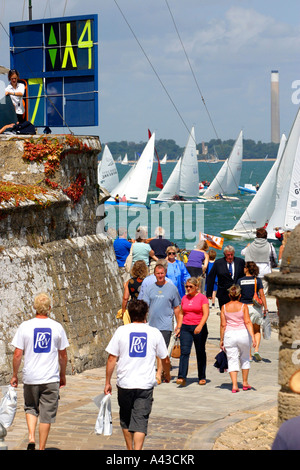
<point>36,81</point>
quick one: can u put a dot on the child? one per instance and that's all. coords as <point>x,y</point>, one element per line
<point>212,256</point>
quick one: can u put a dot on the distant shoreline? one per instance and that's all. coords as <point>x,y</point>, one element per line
<point>220,161</point>
<point>244,160</point>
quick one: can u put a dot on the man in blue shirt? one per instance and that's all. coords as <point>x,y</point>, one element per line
<point>122,247</point>
<point>164,302</point>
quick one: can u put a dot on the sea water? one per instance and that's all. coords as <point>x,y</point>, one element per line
<point>210,217</point>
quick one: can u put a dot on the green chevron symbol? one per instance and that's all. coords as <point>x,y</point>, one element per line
<point>52,42</point>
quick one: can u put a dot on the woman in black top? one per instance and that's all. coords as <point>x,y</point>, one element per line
<point>132,287</point>
<point>247,284</point>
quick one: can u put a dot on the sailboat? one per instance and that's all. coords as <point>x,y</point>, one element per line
<point>125,160</point>
<point>135,184</point>
<point>286,214</point>
<point>107,174</point>
<point>262,205</point>
<point>164,160</point>
<point>228,178</point>
<point>183,183</point>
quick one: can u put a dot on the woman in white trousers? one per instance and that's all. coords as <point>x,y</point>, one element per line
<point>236,333</point>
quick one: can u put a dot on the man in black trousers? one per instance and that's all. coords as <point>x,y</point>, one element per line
<point>228,270</point>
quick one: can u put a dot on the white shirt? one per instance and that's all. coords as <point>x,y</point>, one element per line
<point>40,339</point>
<point>17,100</point>
<point>137,345</point>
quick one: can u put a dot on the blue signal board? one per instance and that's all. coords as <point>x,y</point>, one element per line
<point>58,59</point>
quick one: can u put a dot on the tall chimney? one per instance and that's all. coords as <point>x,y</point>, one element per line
<point>275,121</point>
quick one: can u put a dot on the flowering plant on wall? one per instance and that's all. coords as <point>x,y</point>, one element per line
<point>20,192</point>
<point>51,152</point>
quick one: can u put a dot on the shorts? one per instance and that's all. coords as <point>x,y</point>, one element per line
<point>256,314</point>
<point>42,400</point>
<point>167,336</point>
<point>135,408</point>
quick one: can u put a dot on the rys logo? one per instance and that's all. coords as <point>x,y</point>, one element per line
<point>137,344</point>
<point>42,340</point>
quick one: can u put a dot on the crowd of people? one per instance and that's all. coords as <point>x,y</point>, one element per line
<point>169,303</point>
<point>180,295</point>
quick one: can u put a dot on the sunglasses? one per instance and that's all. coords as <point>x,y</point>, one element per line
<point>190,287</point>
<point>171,253</point>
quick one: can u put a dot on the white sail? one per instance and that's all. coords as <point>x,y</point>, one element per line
<point>172,185</point>
<point>286,184</point>
<point>164,160</point>
<point>184,179</point>
<point>108,176</point>
<point>262,205</point>
<point>292,215</point>
<point>189,176</point>
<point>135,183</point>
<point>228,178</point>
<point>125,160</point>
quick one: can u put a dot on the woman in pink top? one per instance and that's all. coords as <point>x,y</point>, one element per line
<point>192,327</point>
<point>235,337</point>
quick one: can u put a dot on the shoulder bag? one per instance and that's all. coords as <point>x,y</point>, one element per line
<point>176,351</point>
<point>257,302</point>
<point>128,262</point>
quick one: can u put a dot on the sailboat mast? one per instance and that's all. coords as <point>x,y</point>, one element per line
<point>30,10</point>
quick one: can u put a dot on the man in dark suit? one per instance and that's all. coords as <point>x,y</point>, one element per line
<point>228,269</point>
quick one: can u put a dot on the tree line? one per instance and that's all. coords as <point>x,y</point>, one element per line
<point>221,149</point>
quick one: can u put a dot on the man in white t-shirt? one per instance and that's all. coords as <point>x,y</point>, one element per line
<point>43,343</point>
<point>134,348</point>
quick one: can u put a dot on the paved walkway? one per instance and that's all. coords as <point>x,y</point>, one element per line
<point>194,417</point>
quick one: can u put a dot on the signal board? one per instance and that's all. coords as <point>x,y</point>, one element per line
<point>58,59</point>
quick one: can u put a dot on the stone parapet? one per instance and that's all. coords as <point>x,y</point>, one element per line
<point>285,286</point>
<point>65,213</point>
<point>48,243</point>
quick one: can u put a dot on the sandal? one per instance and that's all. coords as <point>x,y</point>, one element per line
<point>202,382</point>
<point>235,390</point>
<point>31,446</point>
<point>247,387</point>
<point>181,382</point>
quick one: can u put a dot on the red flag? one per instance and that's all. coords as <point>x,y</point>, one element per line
<point>159,179</point>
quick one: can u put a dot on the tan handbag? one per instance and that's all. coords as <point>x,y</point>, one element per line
<point>176,351</point>
<point>128,262</point>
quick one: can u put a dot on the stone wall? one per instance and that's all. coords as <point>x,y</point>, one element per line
<point>54,248</point>
<point>285,286</point>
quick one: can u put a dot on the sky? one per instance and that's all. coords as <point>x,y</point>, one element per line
<point>168,65</point>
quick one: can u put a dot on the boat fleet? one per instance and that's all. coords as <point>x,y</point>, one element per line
<point>275,205</point>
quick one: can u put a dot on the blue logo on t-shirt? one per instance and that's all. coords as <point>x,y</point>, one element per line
<point>42,340</point>
<point>137,344</point>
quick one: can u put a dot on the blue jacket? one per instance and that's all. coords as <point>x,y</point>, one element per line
<point>178,274</point>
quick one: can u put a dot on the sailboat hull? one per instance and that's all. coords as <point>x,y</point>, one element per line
<point>235,235</point>
<point>176,201</point>
<point>124,204</point>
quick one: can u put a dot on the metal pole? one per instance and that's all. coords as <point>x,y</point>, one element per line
<point>30,10</point>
